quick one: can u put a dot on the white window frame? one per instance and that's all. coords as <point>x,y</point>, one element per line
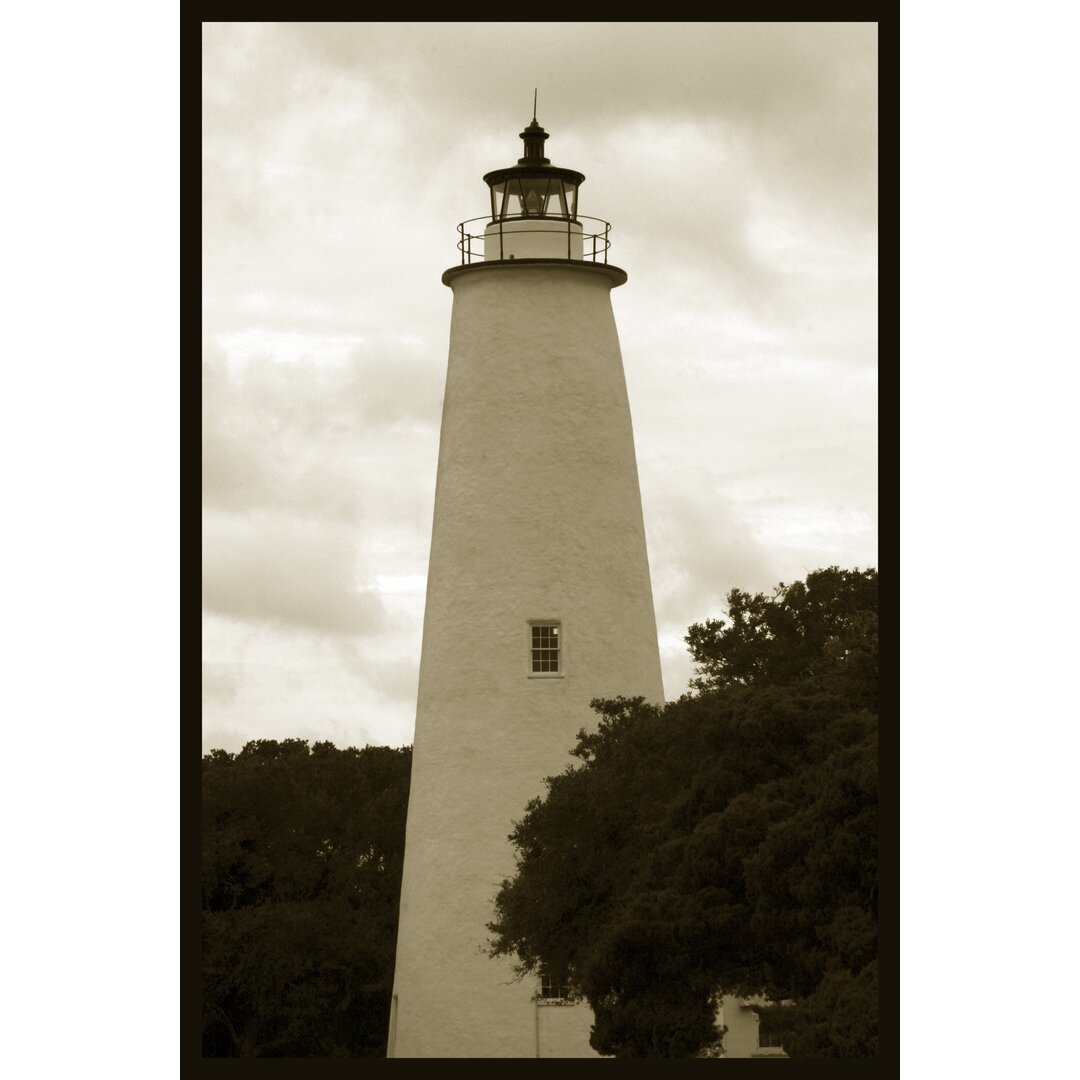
<point>554,983</point>
<point>561,659</point>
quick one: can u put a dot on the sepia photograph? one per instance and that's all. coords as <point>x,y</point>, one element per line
<point>540,540</point>
<point>621,515</point>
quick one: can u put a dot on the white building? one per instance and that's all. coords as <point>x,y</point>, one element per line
<point>538,600</point>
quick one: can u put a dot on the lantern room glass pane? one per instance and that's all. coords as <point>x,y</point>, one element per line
<point>533,196</point>
<point>514,199</point>
<point>556,206</point>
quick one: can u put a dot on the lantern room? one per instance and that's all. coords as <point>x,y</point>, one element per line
<point>533,206</point>
<point>534,187</point>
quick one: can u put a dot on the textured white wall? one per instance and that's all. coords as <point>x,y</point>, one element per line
<point>741,1037</point>
<point>537,515</point>
<point>533,238</point>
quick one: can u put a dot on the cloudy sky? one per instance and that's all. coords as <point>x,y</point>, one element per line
<point>737,165</point>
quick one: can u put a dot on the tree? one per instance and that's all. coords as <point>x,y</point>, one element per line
<point>723,844</point>
<point>822,631</point>
<point>302,854</point>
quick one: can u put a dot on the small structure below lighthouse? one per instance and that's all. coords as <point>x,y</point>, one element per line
<point>538,600</point>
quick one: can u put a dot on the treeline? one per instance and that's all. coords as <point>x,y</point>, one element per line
<point>725,843</point>
<point>301,874</point>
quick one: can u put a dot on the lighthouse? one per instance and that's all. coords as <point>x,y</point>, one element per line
<point>538,600</point>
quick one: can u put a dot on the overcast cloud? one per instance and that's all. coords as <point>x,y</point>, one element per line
<point>737,165</point>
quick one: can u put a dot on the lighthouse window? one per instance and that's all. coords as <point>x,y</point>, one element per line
<point>545,648</point>
<point>553,986</point>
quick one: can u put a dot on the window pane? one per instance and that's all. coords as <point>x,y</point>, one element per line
<point>544,641</point>
<point>552,985</point>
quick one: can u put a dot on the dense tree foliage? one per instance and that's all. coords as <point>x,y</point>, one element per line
<point>821,632</point>
<point>302,854</point>
<point>725,843</point>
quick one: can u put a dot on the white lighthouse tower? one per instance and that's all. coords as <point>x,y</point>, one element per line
<point>538,601</point>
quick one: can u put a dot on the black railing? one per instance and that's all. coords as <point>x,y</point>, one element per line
<point>594,245</point>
